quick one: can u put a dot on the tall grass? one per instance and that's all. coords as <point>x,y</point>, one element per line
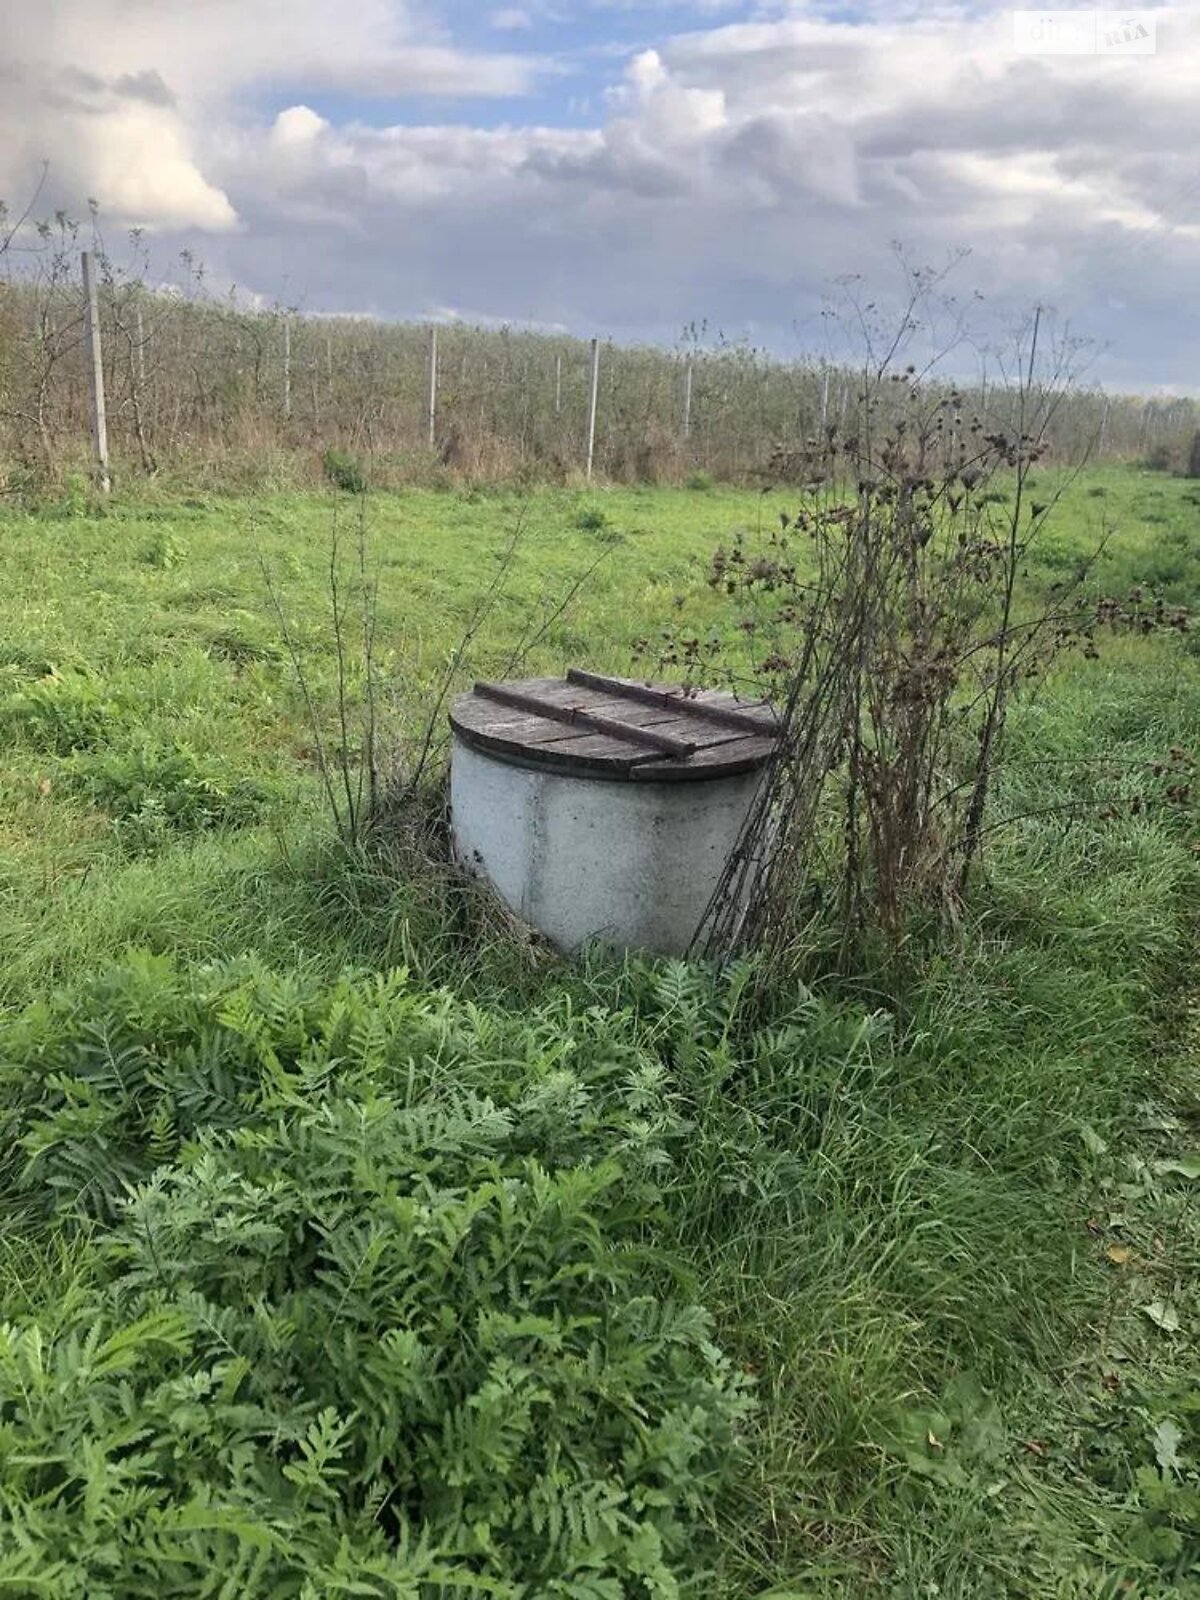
<point>925,1221</point>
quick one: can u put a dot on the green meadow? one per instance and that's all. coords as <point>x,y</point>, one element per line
<point>354,1246</point>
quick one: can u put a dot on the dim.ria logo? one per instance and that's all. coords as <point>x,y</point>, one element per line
<point>1132,34</point>
<point>1084,33</point>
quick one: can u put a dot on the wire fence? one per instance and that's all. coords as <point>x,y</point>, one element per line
<point>189,384</point>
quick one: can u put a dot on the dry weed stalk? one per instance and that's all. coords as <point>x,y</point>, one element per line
<point>885,619</point>
<point>381,751</point>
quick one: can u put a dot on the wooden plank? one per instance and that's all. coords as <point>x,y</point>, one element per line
<point>664,711</point>
<point>520,730</point>
<point>596,748</point>
<point>738,755</point>
<point>546,707</point>
<point>708,704</point>
<point>589,753</point>
<point>672,719</point>
<point>727,712</point>
<point>571,726</point>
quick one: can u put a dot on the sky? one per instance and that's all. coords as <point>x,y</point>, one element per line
<point>629,168</point>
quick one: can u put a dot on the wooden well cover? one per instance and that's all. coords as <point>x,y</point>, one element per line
<point>616,727</point>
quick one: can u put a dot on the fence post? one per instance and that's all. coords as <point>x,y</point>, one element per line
<point>687,401</point>
<point>433,385</point>
<point>594,396</point>
<point>287,366</point>
<point>95,361</point>
<point>558,384</point>
<point>141,349</point>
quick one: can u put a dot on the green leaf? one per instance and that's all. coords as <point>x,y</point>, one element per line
<point>1093,1143</point>
<point>1181,1166</point>
<point>919,1437</point>
<point>121,1351</point>
<point>1163,1315</point>
<point>980,1434</point>
<point>1168,1436</point>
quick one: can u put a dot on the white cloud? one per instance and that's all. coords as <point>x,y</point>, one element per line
<point>145,170</point>
<point>297,128</point>
<point>120,138</point>
<point>211,49</point>
<point>126,99</point>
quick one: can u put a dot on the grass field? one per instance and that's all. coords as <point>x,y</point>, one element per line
<point>947,1241</point>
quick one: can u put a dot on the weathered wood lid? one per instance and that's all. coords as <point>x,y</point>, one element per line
<point>616,727</point>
